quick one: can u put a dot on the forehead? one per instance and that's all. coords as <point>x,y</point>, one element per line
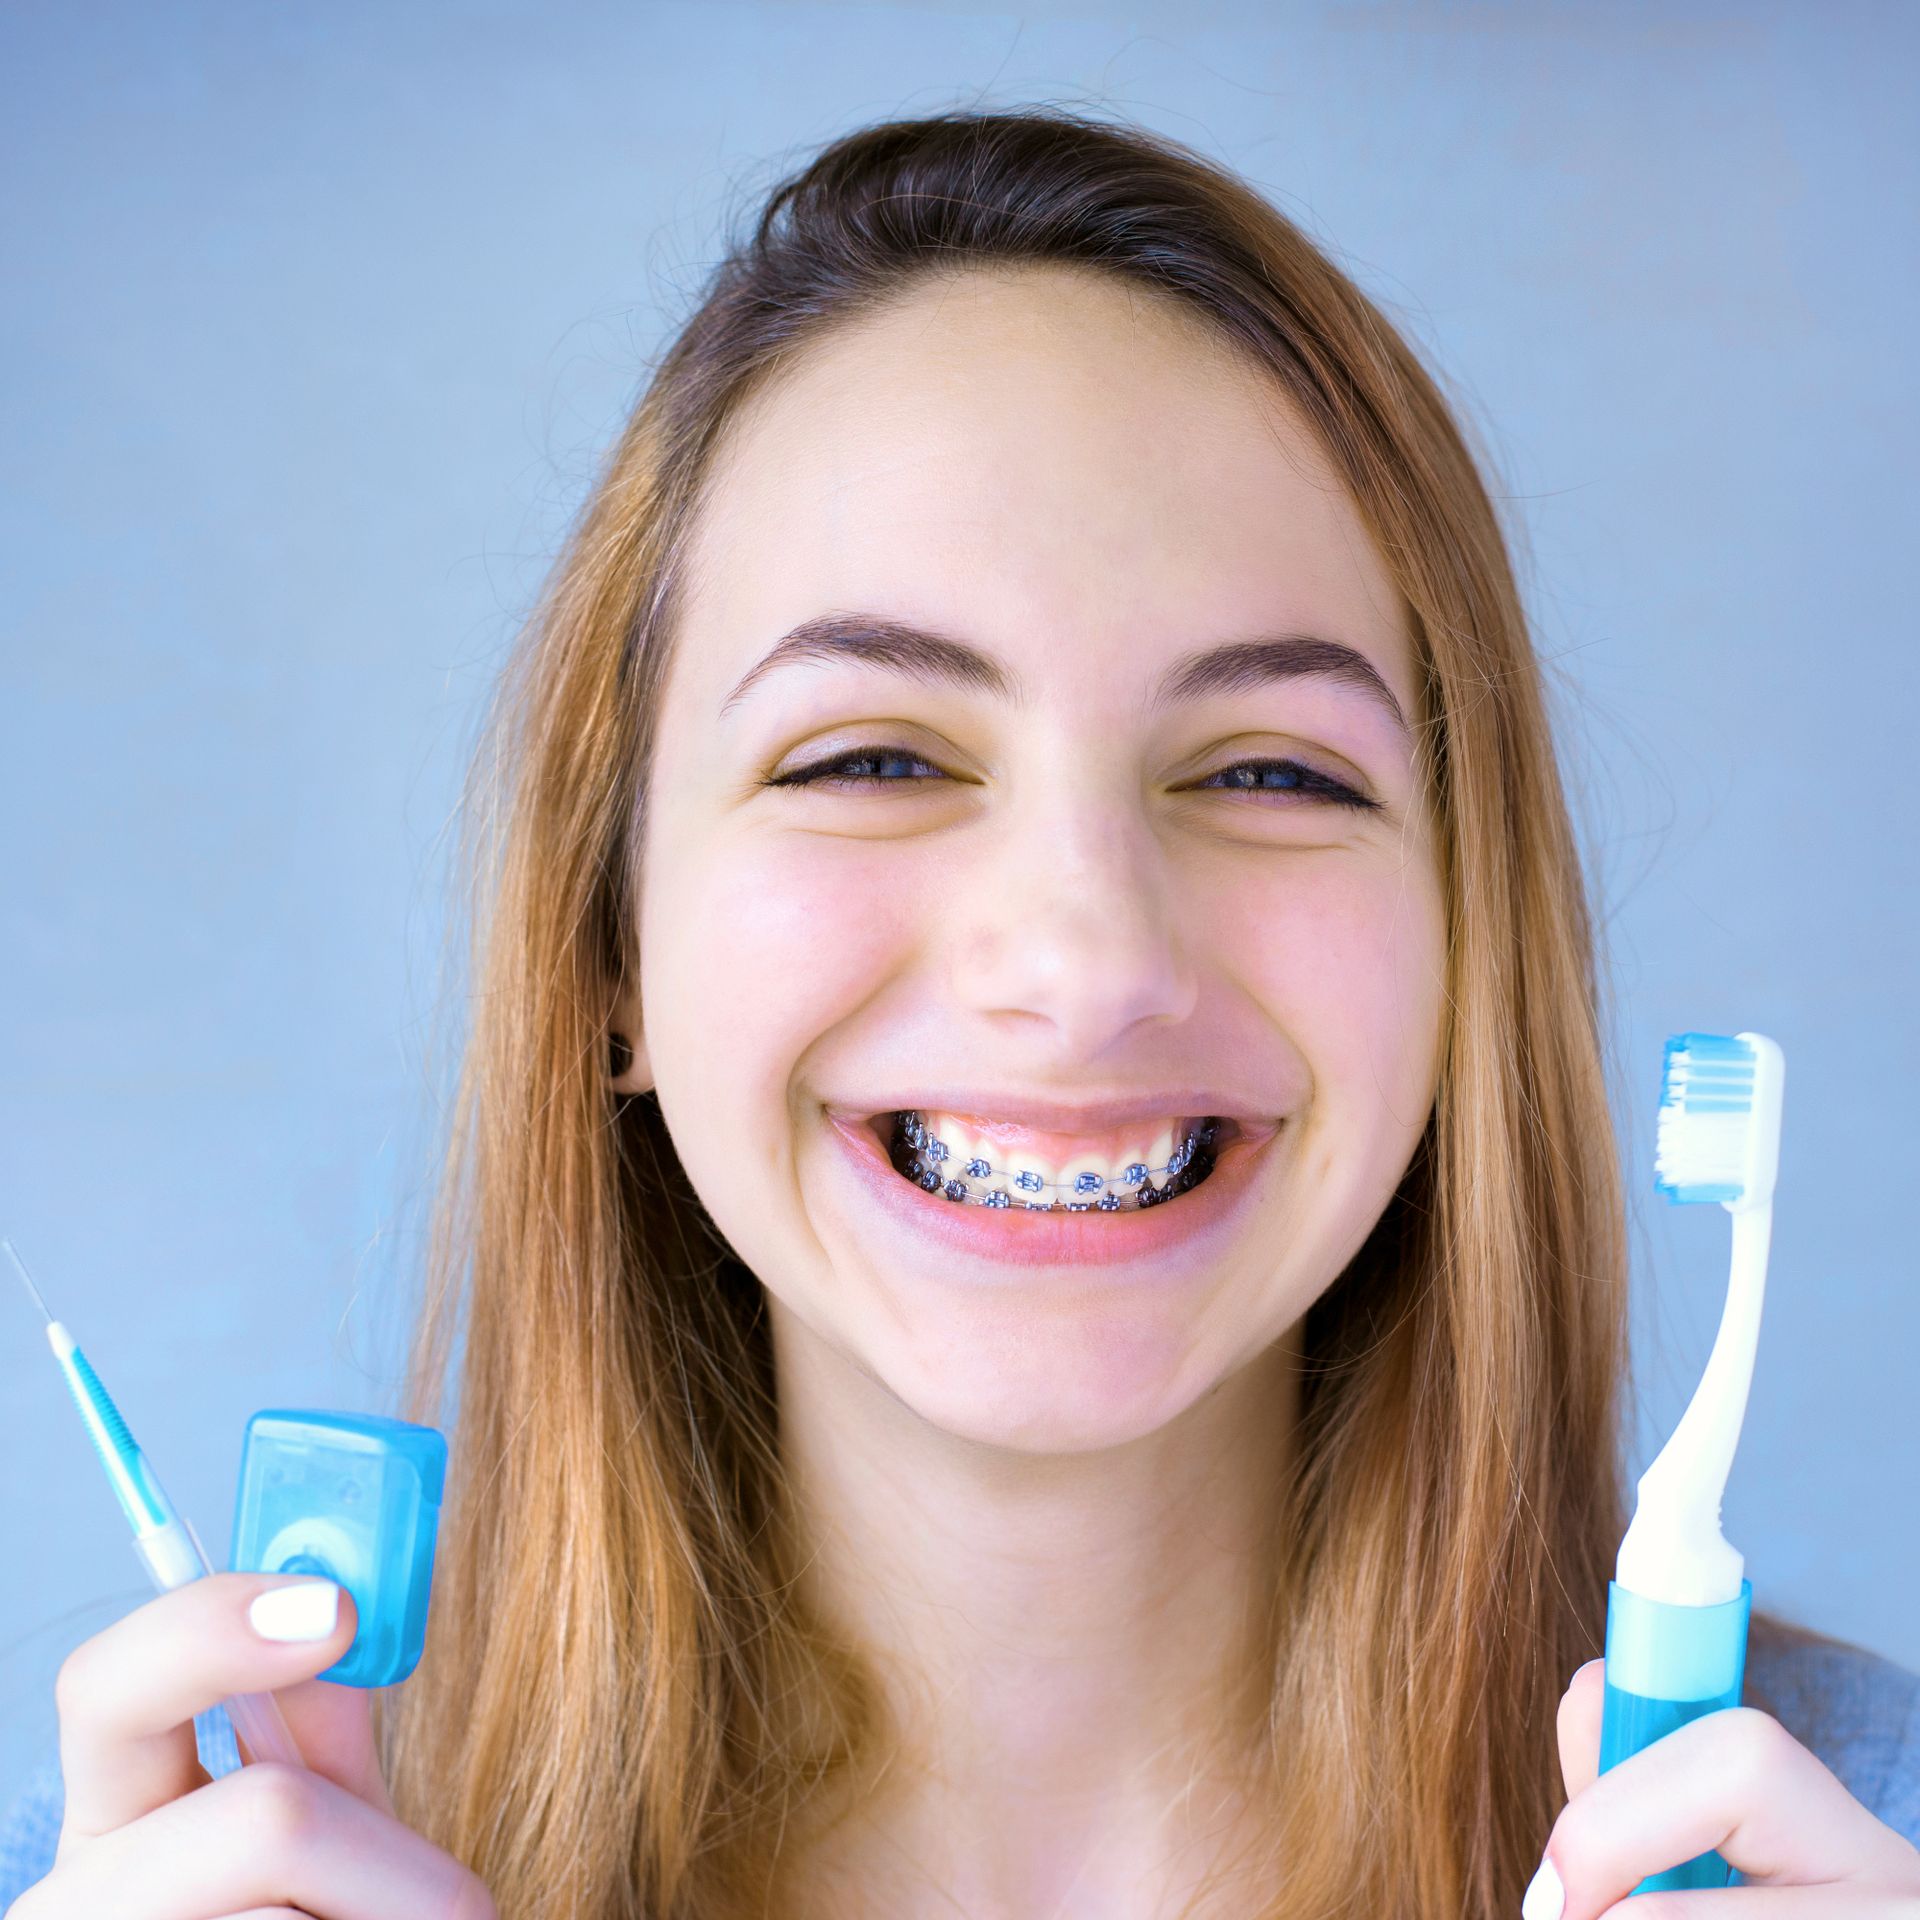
<point>1049,462</point>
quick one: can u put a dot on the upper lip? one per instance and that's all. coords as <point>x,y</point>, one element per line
<point>1046,1114</point>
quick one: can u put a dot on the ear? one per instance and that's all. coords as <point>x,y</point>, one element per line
<point>625,1021</point>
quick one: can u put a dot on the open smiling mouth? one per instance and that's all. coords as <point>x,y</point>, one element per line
<point>945,1155</point>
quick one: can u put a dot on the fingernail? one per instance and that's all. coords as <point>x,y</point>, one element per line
<point>1545,1898</point>
<point>308,1610</point>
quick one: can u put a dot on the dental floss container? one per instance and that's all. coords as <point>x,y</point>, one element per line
<point>354,1497</point>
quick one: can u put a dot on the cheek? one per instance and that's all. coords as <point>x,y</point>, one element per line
<point>755,950</point>
<point>1348,959</point>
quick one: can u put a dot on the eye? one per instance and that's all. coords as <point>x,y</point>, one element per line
<point>1287,776</point>
<point>873,767</point>
<point>861,767</point>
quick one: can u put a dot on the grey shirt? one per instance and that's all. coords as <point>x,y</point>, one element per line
<point>1858,1712</point>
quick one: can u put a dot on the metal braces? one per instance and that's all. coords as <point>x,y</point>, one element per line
<point>1092,1194</point>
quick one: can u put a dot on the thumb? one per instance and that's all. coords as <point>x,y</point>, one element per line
<point>1581,1707</point>
<point>332,1725</point>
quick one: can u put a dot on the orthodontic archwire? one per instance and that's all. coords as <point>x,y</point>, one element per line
<point>1097,1195</point>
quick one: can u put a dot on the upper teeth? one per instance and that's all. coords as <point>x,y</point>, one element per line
<point>963,1155</point>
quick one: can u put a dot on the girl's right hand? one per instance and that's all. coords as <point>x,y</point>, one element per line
<point>148,1836</point>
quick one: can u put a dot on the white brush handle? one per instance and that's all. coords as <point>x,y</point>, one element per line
<point>173,1555</point>
<point>257,1719</point>
<point>1674,1551</point>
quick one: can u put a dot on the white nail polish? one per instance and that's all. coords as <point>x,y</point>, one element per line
<point>1545,1898</point>
<point>306,1611</point>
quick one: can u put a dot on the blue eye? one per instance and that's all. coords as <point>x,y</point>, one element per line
<point>863,767</point>
<point>1287,776</point>
<point>894,766</point>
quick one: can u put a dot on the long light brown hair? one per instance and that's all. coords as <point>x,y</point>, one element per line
<point>624,1710</point>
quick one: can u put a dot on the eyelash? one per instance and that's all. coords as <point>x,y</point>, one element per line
<point>1310,781</point>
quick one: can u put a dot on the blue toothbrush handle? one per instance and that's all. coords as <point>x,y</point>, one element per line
<point>1667,1665</point>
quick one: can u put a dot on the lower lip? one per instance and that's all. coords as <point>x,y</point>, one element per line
<point>1189,1224</point>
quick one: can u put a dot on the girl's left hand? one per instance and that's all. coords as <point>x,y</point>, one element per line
<point>1736,1781</point>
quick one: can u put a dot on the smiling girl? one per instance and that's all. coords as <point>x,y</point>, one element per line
<point>1033,1230</point>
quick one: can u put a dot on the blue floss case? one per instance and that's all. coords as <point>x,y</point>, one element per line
<point>354,1497</point>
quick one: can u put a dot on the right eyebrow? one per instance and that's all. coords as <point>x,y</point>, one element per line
<point>891,644</point>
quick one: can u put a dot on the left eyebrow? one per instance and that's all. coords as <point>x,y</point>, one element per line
<point>1235,666</point>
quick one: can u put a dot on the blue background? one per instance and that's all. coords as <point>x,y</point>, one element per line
<point>317,318</point>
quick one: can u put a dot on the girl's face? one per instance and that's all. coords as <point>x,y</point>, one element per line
<point>1040,831</point>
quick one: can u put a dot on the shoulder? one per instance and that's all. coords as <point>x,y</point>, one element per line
<point>29,1833</point>
<point>1857,1711</point>
<point>30,1827</point>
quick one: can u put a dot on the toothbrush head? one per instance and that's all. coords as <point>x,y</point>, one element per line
<point>1717,1136</point>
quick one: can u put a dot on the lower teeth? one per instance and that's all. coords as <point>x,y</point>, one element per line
<point>927,1162</point>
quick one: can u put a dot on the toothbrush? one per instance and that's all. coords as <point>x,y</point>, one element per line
<point>1678,1604</point>
<point>164,1539</point>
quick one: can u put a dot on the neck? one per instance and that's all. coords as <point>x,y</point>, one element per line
<point>1075,1647</point>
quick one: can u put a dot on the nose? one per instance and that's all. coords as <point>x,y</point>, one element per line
<point>1066,923</point>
